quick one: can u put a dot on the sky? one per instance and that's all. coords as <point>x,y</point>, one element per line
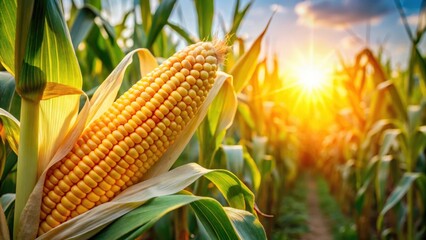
<point>323,29</point>
<point>327,27</point>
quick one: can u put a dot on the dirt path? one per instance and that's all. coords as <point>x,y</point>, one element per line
<point>317,223</point>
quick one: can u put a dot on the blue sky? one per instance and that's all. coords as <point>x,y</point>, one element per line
<point>327,27</point>
<point>339,26</point>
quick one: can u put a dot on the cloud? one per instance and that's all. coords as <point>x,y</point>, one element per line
<point>278,8</point>
<point>412,20</point>
<point>337,13</point>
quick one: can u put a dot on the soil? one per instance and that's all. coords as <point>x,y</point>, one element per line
<point>317,222</point>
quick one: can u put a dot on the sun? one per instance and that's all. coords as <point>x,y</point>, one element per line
<point>311,77</point>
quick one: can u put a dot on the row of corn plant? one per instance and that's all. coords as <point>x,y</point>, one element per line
<point>374,153</point>
<point>83,165</point>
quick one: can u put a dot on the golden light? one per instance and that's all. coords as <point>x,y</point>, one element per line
<point>311,77</point>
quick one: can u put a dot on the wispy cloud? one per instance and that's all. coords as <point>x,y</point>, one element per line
<point>337,13</point>
<point>278,8</point>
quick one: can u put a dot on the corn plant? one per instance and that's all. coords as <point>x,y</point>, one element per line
<point>151,123</point>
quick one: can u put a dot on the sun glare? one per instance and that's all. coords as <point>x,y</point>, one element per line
<point>311,77</point>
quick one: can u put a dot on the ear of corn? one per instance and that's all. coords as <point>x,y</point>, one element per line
<point>117,149</point>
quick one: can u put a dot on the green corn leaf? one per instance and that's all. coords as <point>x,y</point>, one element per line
<point>159,19</point>
<point>9,130</point>
<point>9,99</point>
<point>382,178</point>
<point>94,220</point>
<point>205,13</point>
<point>399,192</point>
<point>7,35</point>
<point>7,200</point>
<point>251,167</point>
<point>237,19</point>
<point>182,33</point>
<point>243,221</point>
<point>234,159</point>
<point>214,220</point>
<point>219,118</point>
<point>146,14</point>
<point>368,178</point>
<point>82,24</point>
<point>396,97</point>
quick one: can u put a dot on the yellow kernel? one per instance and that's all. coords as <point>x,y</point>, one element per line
<point>129,142</point>
<point>107,143</point>
<point>63,210</point>
<point>204,75</point>
<point>53,196</point>
<point>163,94</point>
<point>80,209</point>
<point>124,145</point>
<point>177,66</point>
<point>146,112</point>
<point>176,96</point>
<point>119,151</point>
<point>159,114</point>
<point>200,83</point>
<point>85,149</point>
<point>178,120</point>
<point>90,181</point>
<point>174,81</point>
<point>78,172</point>
<point>199,59</point>
<point>185,72</point>
<point>73,177</point>
<point>93,197</point>
<point>51,221</point>
<point>171,116</point>
<point>187,100</point>
<point>198,67</point>
<point>135,138</point>
<point>146,127</point>
<point>88,204</point>
<point>72,198</point>
<point>186,64</point>
<point>145,145</point>
<point>94,176</point>
<point>109,194</point>
<point>167,104</point>
<point>211,60</point>
<point>44,227</point>
<point>48,202</point>
<point>167,88</point>
<point>182,91</point>
<point>141,132</point>
<point>63,186</point>
<point>98,191</point>
<point>77,192</point>
<point>150,91</point>
<point>104,186</point>
<point>181,105</point>
<point>120,183</point>
<point>57,216</point>
<point>114,174</point>
<point>83,187</point>
<point>129,159</point>
<point>155,86</point>
<point>207,67</point>
<point>123,164</point>
<point>180,77</point>
<point>109,180</point>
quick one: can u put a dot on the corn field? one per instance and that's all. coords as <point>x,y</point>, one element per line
<point>122,120</point>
